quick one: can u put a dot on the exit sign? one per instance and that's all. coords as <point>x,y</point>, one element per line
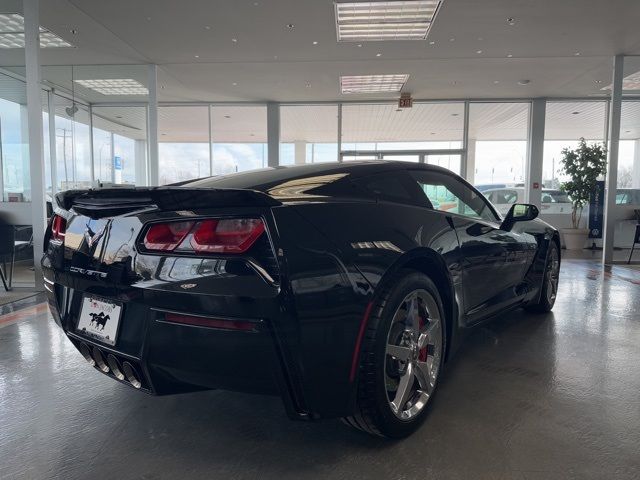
<point>405,101</point>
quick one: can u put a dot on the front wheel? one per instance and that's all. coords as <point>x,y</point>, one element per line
<point>401,358</point>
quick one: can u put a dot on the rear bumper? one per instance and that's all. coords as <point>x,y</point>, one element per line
<point>171,358</point>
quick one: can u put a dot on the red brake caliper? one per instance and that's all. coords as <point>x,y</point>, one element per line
<point>422,356</point>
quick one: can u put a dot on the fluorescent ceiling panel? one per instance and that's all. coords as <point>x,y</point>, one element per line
<point>390,20</point>
<point>372,83</point>
<point>114,86</point>
<point>12,33</point>
<point>630,82</point>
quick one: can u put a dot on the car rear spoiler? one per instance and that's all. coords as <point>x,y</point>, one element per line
<point>117,201</point>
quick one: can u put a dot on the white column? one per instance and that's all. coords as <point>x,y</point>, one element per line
<point>535,154</point>
<point>300,152</point>
<point>339,132</point>
<point>154,173</point>
<point>636,164</point>
<point>273,134</point>
<point>36,150</point>
<point>471,161</point>
<point>51,106</point>
<point>140,152</point>
<point>612,163</point>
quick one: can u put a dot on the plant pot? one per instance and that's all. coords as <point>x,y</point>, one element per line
<point>575,238</point>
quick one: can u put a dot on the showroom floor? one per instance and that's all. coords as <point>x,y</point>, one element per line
<point>527,397</point>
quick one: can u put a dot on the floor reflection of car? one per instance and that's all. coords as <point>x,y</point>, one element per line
<point>553,201</point>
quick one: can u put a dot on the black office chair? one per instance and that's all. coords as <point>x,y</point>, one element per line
<point>7,246</point>
<point>636,238</point>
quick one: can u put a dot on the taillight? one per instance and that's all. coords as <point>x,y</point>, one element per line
<point>165,237</point>
<point>58,228</point>
<point>227,235</point>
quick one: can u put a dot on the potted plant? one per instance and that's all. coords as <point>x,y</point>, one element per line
<point>583,166</point>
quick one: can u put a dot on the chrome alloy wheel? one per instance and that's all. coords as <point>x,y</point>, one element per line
<point>553,276</point>
<point>413,353</point>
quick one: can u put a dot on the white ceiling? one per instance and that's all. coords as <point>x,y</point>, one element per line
<point>271,62</point>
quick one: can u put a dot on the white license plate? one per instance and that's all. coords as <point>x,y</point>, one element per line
<point>99,319</point>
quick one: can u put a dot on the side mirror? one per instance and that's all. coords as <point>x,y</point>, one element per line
<point>519,212</point>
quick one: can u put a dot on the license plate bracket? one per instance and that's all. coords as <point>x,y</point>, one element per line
<point>100,319</point>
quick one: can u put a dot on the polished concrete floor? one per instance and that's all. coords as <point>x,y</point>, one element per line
<point>555,396</point>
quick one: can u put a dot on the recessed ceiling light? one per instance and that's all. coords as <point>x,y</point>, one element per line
<point>290,26</point>
<point>627,131</point>
<point>524,82</point>
<point>509,56</point>
<point>495,82</point>
<point>12,33</point>
<point>378,54</point>
<point>385,20</point>
<point>197,56</point>
<point>207,27</point>
<point>234,40</point>
<point>575,113</point>
<point>577,54</point>
<point>235,84</point>
<point>478,51</point>
<point>359,45</point>
<point>372,83</point>
<point>227,116</point>
<point>114,86</point>
<point>480,39</point>
<point>455,114</point>
<point>432,42</point>
<point>511,21</point>
<point>630,82</point>
<point>315,42</point>
<point>433,133</point>
<point>307,85</point>
<point>597,81</point>
<point>452,39</point>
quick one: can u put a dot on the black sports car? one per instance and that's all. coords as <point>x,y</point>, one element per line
<point>342,287</point>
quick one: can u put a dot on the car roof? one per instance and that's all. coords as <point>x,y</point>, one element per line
<point>265,177</point>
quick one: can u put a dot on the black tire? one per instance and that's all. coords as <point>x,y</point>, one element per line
<point>374,413</point>
<point>549,289</point>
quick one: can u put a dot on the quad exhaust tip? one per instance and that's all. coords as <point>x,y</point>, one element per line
<point>86,353</point>
<point>99,359</point>
<point>131,374</point>
<point>122,371</point>
<point>115,366</point>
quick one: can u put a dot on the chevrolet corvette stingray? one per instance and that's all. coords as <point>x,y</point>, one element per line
<point>344,288</point>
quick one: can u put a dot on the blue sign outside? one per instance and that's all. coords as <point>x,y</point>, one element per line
<point>596,210</point>
<point>117,163</point>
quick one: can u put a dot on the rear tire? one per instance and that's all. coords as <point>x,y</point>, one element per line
<point>549,290</point>
<point>401,358</point>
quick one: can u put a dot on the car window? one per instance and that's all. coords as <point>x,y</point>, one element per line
<point>510,196</point>
<point>448,194</point>
<point>556,197</point>
<point>394,187</point>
